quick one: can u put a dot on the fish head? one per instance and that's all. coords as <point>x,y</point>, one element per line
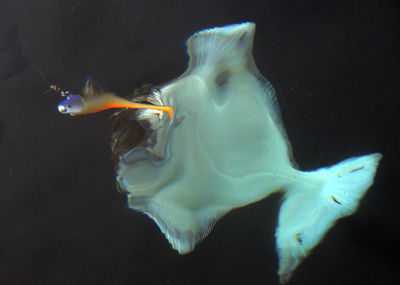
<point>71,105</point>
<point>221,112</point>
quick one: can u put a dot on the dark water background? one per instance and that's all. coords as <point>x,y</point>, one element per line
<point>335,65</point>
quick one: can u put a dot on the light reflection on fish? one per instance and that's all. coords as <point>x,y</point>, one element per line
<point>225,147</point>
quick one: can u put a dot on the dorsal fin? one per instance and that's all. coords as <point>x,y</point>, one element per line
<point>211,46</point>
<point>231,46</point>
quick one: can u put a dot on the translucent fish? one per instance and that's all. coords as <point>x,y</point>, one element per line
<point>225,147</point>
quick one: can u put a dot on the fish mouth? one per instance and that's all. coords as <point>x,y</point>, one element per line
<point>139,154</point>
<point>141,134</point>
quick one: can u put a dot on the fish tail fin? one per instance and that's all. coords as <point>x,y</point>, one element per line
<point>312,207</point>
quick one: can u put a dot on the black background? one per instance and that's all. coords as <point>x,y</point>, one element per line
<point>335,65</point>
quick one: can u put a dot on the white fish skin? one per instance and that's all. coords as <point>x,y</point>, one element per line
<point>226,147</point>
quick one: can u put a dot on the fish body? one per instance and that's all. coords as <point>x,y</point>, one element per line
<point>95,100</point>
<point>225,147</point>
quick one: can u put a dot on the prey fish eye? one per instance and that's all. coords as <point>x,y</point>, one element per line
<point>223,146</point>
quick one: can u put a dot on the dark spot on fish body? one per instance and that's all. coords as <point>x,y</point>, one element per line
<point>299,238</point>
<point>178,120</point>
<point>242,39</point>
<point>336,201</point>
<point>222,78</point>
<point>221,81</point>
<point>356,169</point>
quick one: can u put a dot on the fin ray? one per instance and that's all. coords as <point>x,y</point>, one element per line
<point>308,213</point>
<point>182,227</point>
<point>210,46</point>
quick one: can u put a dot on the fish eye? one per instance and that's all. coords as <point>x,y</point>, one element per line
<point>69,105</point>
<point>62,109</point>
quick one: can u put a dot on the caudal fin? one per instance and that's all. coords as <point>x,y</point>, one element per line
<point>309,211</point>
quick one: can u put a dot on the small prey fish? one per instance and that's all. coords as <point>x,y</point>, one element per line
<point>93,101</point>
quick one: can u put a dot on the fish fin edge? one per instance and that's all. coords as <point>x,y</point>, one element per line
<point>210,46</point>
<point>307,213</point>
<point>182,227</point>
